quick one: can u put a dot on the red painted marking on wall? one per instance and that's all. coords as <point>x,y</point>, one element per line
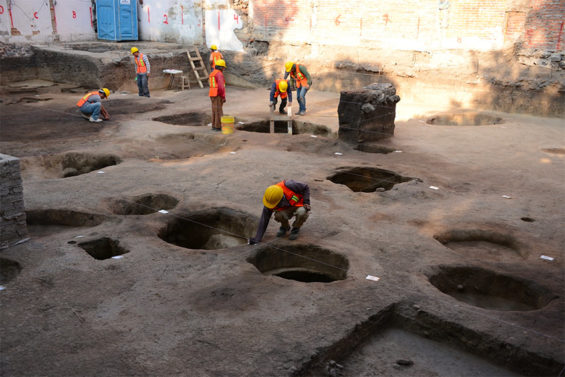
<point>165,19</point>
<point>35,15</point>
<point>218,20</point>
<point>54,18</point>
<point>418,30</point>
<point>559,36</point>
<point>236,18</point>
<point>148,16</point>
<point>74,14</point>
<point>91,20</point>
<point>337,21</point>
<point>529,34</point>
<point>11,18</point>
<point>182,15</point>
<point>386,18</point>
<point>1,9</point>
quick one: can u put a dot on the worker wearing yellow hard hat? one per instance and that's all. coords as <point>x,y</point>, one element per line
<point>287,199</point>
<point>90,105</point>
<point>217,93</point>
<point>301,77</point>
<point>142,72</point>
<point>280,89</point>
<point>215,55</point>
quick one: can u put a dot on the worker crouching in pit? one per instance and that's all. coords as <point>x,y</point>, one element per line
<point>90,105</point>
<point>279,88</point>
<point>287,198</point>
<point>217,94</point>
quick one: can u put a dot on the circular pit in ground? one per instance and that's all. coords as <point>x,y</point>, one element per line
<point>304,263</point>
<point>363,179</point>
<point>9,269</point>
<point>211,229</point>
<point>143,204</point>
<point>490,290</point>
<point>464,118</point>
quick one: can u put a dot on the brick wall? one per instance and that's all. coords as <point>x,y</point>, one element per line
<point>12,215</point>
<point>544,25</point>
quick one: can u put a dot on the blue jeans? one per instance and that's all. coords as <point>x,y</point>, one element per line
<point>91,108</point>
<point>142,84</point>
<point>301,94</point>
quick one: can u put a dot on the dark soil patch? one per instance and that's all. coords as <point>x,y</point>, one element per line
<point>464,119</point>
<point>490,290</point>
<point>212,229</point>
<point>361,179</point>
<point>103,248</point>
<point>557,151</point>
<point>120,106</point>
<point>143,204</point>
<point>185,119</point>
<point>281,126</point>
<point>304,263</point>
<point>374,148</point>
<point>9,269</point>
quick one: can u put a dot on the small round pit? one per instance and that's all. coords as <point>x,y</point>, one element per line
<point>363,179</point>
<point>143,204</point>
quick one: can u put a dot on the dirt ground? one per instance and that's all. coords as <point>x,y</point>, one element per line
<point>138,263</point>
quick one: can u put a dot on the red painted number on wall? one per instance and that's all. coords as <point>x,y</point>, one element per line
<point>337,21</point>
<point>148,17</point>
<point>35,15</point>
<point>74,14</point>
<point>236,18</point>
<point>165,19</point>
<point>1,9</point>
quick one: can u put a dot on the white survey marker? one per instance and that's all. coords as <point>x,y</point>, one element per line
<point>434,187</point>
<point>100,171</point>
<point>338,154</point>
<point>118,257</point>
<point>506,196</point>
<point>373,278</point>
<point>163,211</point>
<point>545,257</point>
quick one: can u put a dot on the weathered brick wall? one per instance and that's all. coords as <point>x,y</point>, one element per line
<point>544,25</point>
<point>12,215</point>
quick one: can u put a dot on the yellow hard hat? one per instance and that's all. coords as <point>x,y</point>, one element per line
<point>106,91</point>
<point>213,47</point>
<point>134,49</point>
<point>288,66</point>
<point>283,86</point>
<point>272,197</point>
<point>220,63</point>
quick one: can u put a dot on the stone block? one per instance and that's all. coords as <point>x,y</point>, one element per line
<point>367,114</point>
<point>12,212</point>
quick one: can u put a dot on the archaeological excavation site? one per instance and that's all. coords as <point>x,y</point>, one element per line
<point>152,153</point>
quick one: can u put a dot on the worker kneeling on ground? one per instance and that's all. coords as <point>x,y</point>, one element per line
<point>287,199</point>
<point>299,75</point>
<point>280,88</point>
<point>217,94</point>
<point>142,71</point>
<point>90,105</point>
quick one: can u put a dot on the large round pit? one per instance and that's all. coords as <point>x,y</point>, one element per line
<point>211,229</point>
<point>363,179</point>
<point>304,263</point>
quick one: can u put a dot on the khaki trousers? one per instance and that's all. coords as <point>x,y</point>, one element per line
<point>285,215</point>
<point>217,112</point>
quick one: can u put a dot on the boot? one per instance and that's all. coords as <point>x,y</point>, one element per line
<point>282,231</point>
<point>294,234</point>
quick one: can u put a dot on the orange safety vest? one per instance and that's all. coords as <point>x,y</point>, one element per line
<point>141,67</point>
<point>283,95</point>
<point>295,200</point>
<point>85,98</point>
<point>213,83</point>
<point>216,55</point>
<point>301,80</point>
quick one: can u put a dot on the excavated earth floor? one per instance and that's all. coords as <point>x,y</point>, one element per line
<point>138,263</point>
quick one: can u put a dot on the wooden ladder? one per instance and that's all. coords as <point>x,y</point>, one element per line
<point>197,65</point>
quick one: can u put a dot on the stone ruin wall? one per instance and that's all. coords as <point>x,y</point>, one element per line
<point>13,227</point>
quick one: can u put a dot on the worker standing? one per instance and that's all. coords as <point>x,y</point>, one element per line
<point>217,94</point>
<point>299,74</point>
<point>215,55</point>
<point>142,70</point>
<point>280,88</point>
<point>287,198</point>
<point>90,105</point>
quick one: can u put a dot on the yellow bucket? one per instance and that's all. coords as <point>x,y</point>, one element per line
<point>227,125</point>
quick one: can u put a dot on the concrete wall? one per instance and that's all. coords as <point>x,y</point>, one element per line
<point>46,20</point>
<point>12,213</point>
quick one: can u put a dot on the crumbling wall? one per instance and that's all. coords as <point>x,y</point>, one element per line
<point>12,213</point>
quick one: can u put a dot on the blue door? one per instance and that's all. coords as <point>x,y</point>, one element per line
<point>117,19</point>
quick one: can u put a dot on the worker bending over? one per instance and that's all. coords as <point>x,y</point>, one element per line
<point>299,74</point>
<point>217,94</point>
<point>279,88</point>
<point>90,105</point>
<point>143,71</point>
<point>287,198</point>
<point>215,56</point>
